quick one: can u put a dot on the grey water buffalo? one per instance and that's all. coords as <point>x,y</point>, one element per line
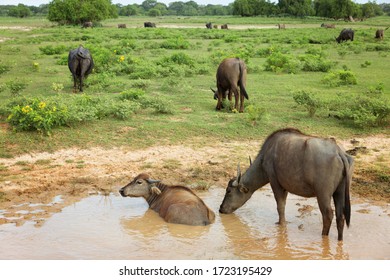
<point>88,24</point>
<point>345,35</point>
<point>80,63</point>
<point>379,34</point>
<point>175,204</point>
<point>281,26</point>
<point>121,25</point>
<point>209,25</point>
<point>328,25</point>
<point>304,165</point>
<point>231,77</point>
<point>224,26</point>
<point>149,24</point>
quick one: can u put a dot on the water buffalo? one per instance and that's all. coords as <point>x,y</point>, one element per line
<point>149,24</point>
<point>121,25</point>
<point>224,26</point>
<point>88,24</point>
<point>209,25</point>
<point>328,25</point>
<point>281,26</point>
<point>379,34</point>
<point>304,165</point>
<point>80,64</point>
<point>231,74</point>
<point>175,204</point>
<point>345,35</point>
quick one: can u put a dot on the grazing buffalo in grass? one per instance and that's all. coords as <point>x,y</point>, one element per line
<point>121,25</point>
<point>209,25</point>
<point>345,35</point>
<point>149,24</point>
<point>231,77</point>
<point>379,34</point>
<point>328,25</point>
<point>304,165</point>
<point>80,64</point>
<point>175,204</point>
<point>281,26</point>
<point>224,26</point>
<point>88,24</point>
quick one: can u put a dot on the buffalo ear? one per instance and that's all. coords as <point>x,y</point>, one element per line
<point>155,190</point>
<point>243,189</point>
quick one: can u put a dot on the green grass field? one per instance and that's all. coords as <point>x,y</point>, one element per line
<point>172,70</point>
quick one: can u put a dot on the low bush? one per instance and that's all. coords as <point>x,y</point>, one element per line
<point>51,50</point>
<point>279,62</point>
<point>340,78</point>
<point>309,101</point>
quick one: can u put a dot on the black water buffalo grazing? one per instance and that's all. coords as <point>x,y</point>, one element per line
<point>304,165</point>
<point>149,24</point>
<point>379,34</point>
<point>80,64</point>
<point>175,204</point>
<point>88,24</point>
<point>121,25</point>
<point>224,26</point>
<point>231,77</point>
<point>209,25</point>
<point>328,25</point>
<point>345,35</point>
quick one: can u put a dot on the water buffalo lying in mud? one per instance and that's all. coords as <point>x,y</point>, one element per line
<point>231,75</point>
<point>175,204</point>
<point>80,64</point>
<point>345,35</point>
<point>304,165</point>
<point>209,25</point>
<point>149,24</point>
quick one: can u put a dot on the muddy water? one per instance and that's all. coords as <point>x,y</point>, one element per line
<point>112,227</point>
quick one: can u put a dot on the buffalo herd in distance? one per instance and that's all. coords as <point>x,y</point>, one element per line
<point>289,160</point>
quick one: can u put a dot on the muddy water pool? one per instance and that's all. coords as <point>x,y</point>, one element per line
<point>113,227</point>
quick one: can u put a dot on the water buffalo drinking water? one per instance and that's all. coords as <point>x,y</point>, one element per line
<point>80,64</point>
<point>304,165</point>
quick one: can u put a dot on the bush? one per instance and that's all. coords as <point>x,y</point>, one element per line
<point>309,101</point>
<point>178,44</point>
<point>278,62</point>
<point>50,50</point>
<point>131,94</point>
<point>255,113</point>
<point>339,78</point>
<point>315,63</point>
<point>39,115</point>
<point>16,86</point>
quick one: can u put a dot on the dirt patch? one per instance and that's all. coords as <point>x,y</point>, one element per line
<point>75,173</point>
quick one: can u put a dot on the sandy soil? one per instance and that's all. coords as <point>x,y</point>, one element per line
<point>75,173</point>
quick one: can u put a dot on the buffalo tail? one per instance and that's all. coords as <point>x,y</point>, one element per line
<point>242,87</point>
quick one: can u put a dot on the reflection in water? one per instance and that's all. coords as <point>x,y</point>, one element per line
<point>110,227</point>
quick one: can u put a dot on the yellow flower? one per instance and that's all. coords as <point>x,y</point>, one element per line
<point>26,109</point>
<point>42,105</point>
<point>121,58</point>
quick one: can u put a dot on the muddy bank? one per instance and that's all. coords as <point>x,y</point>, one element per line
<point>74,173</point>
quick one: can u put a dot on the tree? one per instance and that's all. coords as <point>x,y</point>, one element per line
<point>77,12</point>
<point>19,11</point>
<point>296,7</point>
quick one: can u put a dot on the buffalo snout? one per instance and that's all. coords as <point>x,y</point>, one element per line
<point>122,192</point>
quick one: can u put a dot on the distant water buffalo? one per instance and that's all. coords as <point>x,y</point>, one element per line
<point>175,204</point>
<point>149,24</point>
<point>224,26</point>
<point>80,63</point>
<point>121,25</point>
<point>231,77</point>
<point>281,26</point>
<point>304,165</point>
<point>87,24</point>
<point>379,34</point>
<point>209,25</point>
<point>345,35</point>
<point>328,25</point>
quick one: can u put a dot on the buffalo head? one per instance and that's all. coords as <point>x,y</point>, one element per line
<point>141,186</point>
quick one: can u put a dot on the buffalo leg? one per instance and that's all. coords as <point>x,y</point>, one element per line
<point>74,83</point>
<point>241,103</point>
<point>327,213</point>
<point>338,198</point>
<point>280,196</point>
<point>236,96</point>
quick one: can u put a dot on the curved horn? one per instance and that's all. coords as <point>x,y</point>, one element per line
<point>152,181</point>
<point>238,173</point>
<point>250,161</point>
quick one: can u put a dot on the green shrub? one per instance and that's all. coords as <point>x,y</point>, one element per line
<point>278,62</point>
<point>309,101</point>
<point>159,105</point>
<point>50,50</point>
<point>16,86</point>
<point>4,68</point>
<point>315,63</point>
<point>39,115</point>
<point>339,78</point>
<point>131,94</point>
<point>177,44</point>
<point>255,113</point>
